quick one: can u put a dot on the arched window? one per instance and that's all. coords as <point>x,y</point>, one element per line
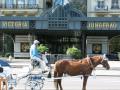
<point>8,3</point>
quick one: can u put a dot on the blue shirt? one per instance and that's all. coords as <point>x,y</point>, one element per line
<point>34,52</point>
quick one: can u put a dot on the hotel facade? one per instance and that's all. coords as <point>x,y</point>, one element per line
<point>90,25</point>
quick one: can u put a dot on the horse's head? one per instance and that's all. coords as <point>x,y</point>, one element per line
<point>100,59</point>
<point>104,62</point>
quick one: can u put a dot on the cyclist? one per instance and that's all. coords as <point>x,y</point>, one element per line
<point>35,55</point>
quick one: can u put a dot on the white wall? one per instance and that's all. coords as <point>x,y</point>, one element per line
<point>17,47</point>
<point>97,39</point>
<point>91,12</point>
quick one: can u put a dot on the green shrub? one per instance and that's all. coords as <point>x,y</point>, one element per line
<point>74,52</point>
<point>42,48</point>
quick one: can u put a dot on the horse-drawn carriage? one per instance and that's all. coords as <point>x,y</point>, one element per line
<point>34,80</point>
<point>34,77</point>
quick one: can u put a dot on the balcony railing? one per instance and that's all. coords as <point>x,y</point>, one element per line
<point>19,6</point>
<point>101,8</point>
<point>115,7</point>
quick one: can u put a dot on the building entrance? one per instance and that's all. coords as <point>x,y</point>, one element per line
<point>114,44</point>
<point>114,48</point>
<point>59,44</point>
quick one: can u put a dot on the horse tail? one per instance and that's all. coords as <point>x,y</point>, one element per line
<point>55,75</point>
<point>55,80</point>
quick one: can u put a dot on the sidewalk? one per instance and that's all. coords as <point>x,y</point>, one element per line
<point>114,67</point>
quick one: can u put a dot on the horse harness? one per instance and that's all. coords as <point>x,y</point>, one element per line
<point>90,62</point>
<point>103,59</point>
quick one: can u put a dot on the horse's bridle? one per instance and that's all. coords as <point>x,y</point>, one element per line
<point>103,59</point>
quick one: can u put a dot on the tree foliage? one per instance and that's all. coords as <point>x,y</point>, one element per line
<point>42,48</point>
<point>74,52</point>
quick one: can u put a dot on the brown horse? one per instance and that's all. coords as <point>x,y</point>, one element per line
<point>78,67</point>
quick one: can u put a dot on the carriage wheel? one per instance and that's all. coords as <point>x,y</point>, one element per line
<point>41,84</point>
<point>30,85</point>
<point>34,85</point>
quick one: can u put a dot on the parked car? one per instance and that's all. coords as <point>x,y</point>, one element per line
<point>6,68</point>
<point>113,57</point>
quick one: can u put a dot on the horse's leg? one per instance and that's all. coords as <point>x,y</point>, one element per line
<point>56,80</point>
<point>59,80</point>
<point>85,78</point>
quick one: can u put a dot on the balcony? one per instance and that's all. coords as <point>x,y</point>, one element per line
<point>115,6</point>
<point>101,8</point>
<point>19,9</point>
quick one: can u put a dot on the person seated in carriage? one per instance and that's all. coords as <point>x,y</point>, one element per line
<point>37,56</point>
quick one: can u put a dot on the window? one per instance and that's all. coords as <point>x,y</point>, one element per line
<point>32,3</point>
<point>0,5</point>
<point>21,3</point>
<point>9,3</point>
<point>24,46</point>
<point>48,3</point>
<point>101,4</point>
<point>97,48</point>
<point>115,4</point>
<point>58,2</point>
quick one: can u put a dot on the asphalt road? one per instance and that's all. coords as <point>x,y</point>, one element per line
<point>100,82</point>
<point>75,83</point>
<point>94,83</point>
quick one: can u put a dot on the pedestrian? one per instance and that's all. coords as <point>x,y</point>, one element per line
<point>36,55</point>
<point>44,57</point>
<point>48,56</point>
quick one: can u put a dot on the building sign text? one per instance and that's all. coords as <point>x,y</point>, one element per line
<point>14,24</point>
<point>101,25</point>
